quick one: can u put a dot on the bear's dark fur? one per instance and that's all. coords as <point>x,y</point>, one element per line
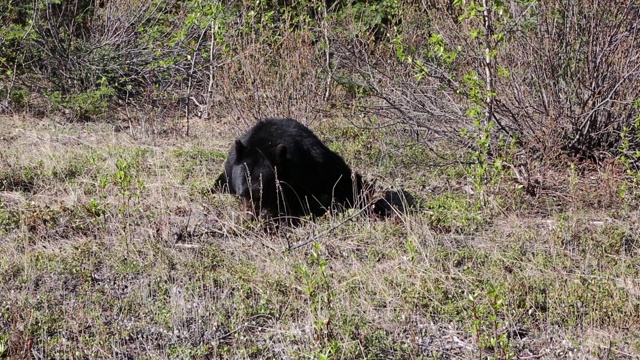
<point>281,168</point>
<point>393,202</point>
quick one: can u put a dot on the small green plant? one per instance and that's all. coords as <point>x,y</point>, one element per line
<point>630,154</point>
<point>9,220</point>
<point>128,185</point>
<point>487,325</point>
<point>455,213</point>
<point>95,209</point>
<point>23,178</point>
<point>317,286</point>
<point>4,345</point>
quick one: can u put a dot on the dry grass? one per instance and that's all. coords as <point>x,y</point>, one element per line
<point>113,247</point>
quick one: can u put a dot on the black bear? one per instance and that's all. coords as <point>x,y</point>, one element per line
<point>280,168</point>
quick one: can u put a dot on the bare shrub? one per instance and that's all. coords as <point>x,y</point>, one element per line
<point>269,76</point>
<point>427,108</point>
<point>574,73</point>
<point>554,76</point>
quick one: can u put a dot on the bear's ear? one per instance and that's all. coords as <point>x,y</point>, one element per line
<point>240,150</point>
<point>281,154</point>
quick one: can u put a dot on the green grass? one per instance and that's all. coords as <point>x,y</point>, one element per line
<point>116,248</point>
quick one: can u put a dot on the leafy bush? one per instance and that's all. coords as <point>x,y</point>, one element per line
<point>86,56</point>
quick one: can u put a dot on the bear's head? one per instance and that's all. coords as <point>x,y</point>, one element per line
<point>254,175</point>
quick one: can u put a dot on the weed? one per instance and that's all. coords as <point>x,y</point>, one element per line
<point>84,105</point>
<point>487,324</point>
<point>22,178</point>
<point>317,286</point>
<point>9,220</point>
<point>455,213</point>
<point>629,157</point>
